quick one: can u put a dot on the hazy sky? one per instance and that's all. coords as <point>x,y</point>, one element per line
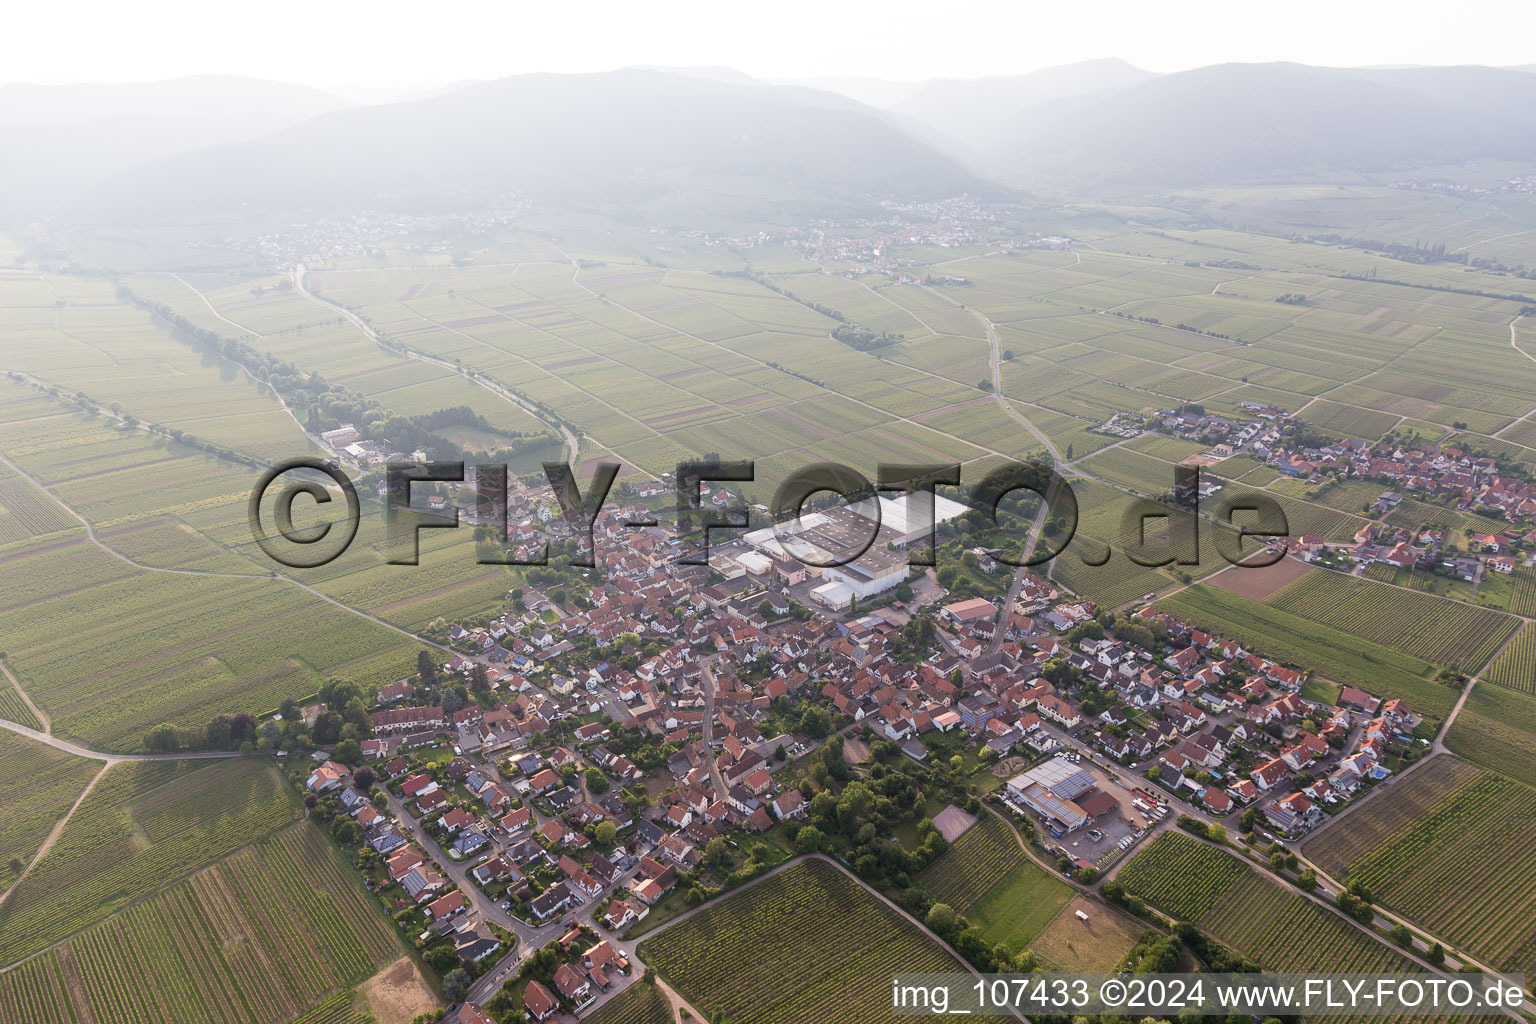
<point>334,43</point>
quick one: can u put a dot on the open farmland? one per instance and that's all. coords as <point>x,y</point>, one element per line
<point>144,825</point>
<point>178,648</point>
<point>1318,648</point>
<point>641,1003</point>
<point>1100,943</point>
<point>38,784</point>
<point>1272,924</point>
<point>261,936</point>
<point>1415,846</point>
<point>1438,631</point>
<point>1497,729</point>
<point>1515,667</point>
<point>1180,875</point>
<point>987,878</point>
<point>731,958</point>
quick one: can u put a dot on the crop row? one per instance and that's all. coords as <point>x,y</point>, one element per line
<point>101,859</point>
<point>973,865</point>
<point>1440,631</point>
<point>733,958</point>
<point>1181,876</point>
<point>1516,666</point>
<point>34,993</point>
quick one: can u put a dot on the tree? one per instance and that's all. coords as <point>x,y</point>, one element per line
<point>717,854</point>
<point>605,833</point>
<point>364,779</point>
<point>426,667</point>
<point>1307,880</point>
<point>1216,833</point>
<point>1402,936</point>
<point>1436,955</point>
<point>442,957</point>
<point>596,781</point>
<point>456,985</point>
<point>349,752</point>
<point>779,753</point>
<point>809,840</point>
<point>163,739</point>
<point>942,919</point>
<point>815,723</point>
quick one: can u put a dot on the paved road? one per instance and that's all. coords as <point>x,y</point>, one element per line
<point>707,682</point>
<point>48,739</point>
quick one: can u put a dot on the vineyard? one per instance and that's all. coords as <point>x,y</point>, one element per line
<point>1515,667</point>
<point>1385,814</point>
<point>1296,640</point>
<point>1463,824</point>
<point>1497,729</point>
<point>787,949</point>
<point>972,865</point>
<point>35,993</point>
<point>27,512</point>
<point>638,1004</point>
<point>1439,631</point>
<point>263,936</point>
<point>1181,876</point>
<point>1285,931</point>
<point>14,709</point>
<point>144,826</point>
<point>37,786</point>
<point>340,1010</point>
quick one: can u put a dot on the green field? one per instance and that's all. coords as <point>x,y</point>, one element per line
<point>38,784</point>
<point>987,877</point>
<point>641,1003</point>
<point>1328,652</point>
<point>1180,875</point>
<point>1416,845</point>
<point>1497,729</point>
<point>144,826</point>
<point>1426,627</point>
<point>733,958</point>
<point>1515,667</point>
<point>262,936</point>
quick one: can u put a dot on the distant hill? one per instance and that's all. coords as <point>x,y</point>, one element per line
<point>1239,123</point>
<point>623,137</point>
<point>57,140</point>
<point>984,114</point>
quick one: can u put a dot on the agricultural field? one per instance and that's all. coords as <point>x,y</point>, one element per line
<point>1497,729</point>
<point>1421,625</point>
<point>972,864</point>
<point>1181,876</point>
<point>278,928</point>
<point>14,709</point>
<point>1296,640</point>
<point>144,825</point>
<point>641,1003</point>
<point>1100,943</point>
<point>38,784</point>
<point>1415,846</point>
<point>986,877</point>
<point>1515,667</point>
<point>178,648</point>
<point>731,959</point>
<point>1278,927</point>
